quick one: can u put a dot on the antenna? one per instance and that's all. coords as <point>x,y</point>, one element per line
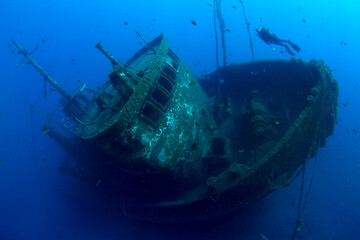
<point>148,44</point>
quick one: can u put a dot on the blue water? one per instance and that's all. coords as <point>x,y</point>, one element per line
<point>37,202</point>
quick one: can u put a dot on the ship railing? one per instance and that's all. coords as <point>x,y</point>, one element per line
<point>74,124</point>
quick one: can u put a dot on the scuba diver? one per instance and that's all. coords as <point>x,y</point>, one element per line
<point>271,38</point>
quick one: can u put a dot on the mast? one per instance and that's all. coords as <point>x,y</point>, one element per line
<point>46,76</point>
<point>109,56</point>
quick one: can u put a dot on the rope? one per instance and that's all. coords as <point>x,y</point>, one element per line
<point>248,29</point>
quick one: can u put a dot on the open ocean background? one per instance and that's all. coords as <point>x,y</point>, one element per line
<point>37,202</point>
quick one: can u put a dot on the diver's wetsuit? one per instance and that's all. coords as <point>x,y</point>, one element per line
<point>271,38</point>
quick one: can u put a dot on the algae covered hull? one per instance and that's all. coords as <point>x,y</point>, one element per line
<point>176,148</point>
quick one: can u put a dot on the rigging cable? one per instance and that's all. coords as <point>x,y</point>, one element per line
<point>248,29</point>
<point>218,92</point>
<point>301,210</point>
<point>36,163</point>
<point>222,29</point>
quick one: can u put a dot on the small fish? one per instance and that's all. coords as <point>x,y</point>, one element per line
<point>44,160</point>
<point>126,23</point>
<point>98,182</point>
<point>0,114</point>
<point>276,122</point>
<point>292,204</point>
<point>281,51</point>
<point>45,131</point>
<point>78,80</point>
<point>197,124</point>
<point>228,30</point>
<point>222,105</point>
<point>260,19</point>
<point>209,4</point>
<point>230,54</point>
<point>233,6</point>
<point>303,20</point>
<point>193,22</point>
<point>9,98</point>
<point>345,104</point>
<point>42,41</point>
<point>355,131</point>
<point>273,49</point>
<point>347,131</point>
<point>263,237</point>
<point>78,72</point>
<point>192,84</point>
<point>72,60</point>
<point>241,150</point>
<point>342,43</point>
<point>170,76</point>
<point>308,36</point>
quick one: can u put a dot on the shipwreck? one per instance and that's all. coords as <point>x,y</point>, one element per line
<point>179,148</point>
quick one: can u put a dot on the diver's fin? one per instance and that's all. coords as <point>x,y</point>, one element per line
<point>289,51</point>
<point>294,46</point>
